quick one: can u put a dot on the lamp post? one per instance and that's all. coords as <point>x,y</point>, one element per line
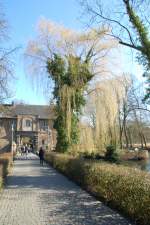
<point>12,137</point>
<point>48,135</point>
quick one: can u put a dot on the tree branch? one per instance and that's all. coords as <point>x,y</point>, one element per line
<point>113,21</point>
<point>138,48</point>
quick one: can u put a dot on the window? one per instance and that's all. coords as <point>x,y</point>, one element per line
<point>43,125</point>
<point>28,123</point>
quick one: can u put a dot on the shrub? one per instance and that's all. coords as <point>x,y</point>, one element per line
<point>1,175</point>
<point>122,187</point>
<point>5,163</point>
<point>1,183</point>
<point>111,153</point>
<point>92,155</point>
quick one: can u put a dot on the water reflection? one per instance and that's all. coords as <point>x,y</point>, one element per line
<point>141,164</point>
<point>144,164</point>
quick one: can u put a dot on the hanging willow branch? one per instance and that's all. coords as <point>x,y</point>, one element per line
<point>71,77</point>
<point>71,60</point>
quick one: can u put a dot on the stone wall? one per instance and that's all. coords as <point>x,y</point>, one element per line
<point>46,136</point>
<point>21,123</point>
<point>6,133</point>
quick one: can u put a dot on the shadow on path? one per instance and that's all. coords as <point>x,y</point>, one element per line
<point>55,199</point>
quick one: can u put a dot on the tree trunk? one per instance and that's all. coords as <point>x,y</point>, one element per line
<point>126,136</point>
<point>144,140</point>
<point>141,139</point>
<point>130,138</point>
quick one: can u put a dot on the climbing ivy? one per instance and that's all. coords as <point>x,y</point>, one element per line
<point>143,37</point>
<point>70,75</point>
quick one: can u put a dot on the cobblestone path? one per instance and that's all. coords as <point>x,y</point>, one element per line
<point>37,195</point>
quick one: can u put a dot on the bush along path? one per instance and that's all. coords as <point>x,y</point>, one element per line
<point>125,189</point>
<point>38,195</point>
<point>5,166</point>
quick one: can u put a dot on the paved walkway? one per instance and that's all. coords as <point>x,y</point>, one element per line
<point>37,195</point>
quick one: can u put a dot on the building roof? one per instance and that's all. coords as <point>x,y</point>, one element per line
<point>42,111</point>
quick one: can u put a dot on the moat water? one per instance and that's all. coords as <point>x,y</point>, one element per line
<point>141,164</point>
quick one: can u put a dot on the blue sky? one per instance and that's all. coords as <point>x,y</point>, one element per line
<point>23,16</point>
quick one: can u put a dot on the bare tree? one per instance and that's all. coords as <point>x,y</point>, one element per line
<point>131,113</point>
<point>115,17</point>
<point>128,22</point>
<point>113,108</point>
<point>6,62</point>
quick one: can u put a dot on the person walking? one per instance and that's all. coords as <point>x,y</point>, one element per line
<point>41,155</point>
<point>23,150</point>
<point>26,150</point>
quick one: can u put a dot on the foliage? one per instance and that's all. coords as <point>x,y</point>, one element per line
<point>105,101</point>
<point>91,155</point>
<point>143,36</point>
<point>71,60</point>
<point>128,21</point>
<point>1,179</point>
<point>5,163</point>
<point>111,153</point>
<point>122,187</point>
<point>70,77</point>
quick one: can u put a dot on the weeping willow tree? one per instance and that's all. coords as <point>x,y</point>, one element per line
<point>70,77</point>
<point>102,110</point>
<point>71,60</point>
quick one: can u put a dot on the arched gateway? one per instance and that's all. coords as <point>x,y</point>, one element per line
<point>27,124</point>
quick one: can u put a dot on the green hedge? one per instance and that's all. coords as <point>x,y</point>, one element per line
<point>1,178</point>
<point>124,188</point>
<point>5,167</point>
<point>5,164</point>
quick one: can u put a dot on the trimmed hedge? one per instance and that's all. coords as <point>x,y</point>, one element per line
<point>124,188</point>
<point>1,179</point>
<point>5,163</point>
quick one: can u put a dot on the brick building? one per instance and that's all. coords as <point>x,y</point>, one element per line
<point>27,124</point>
